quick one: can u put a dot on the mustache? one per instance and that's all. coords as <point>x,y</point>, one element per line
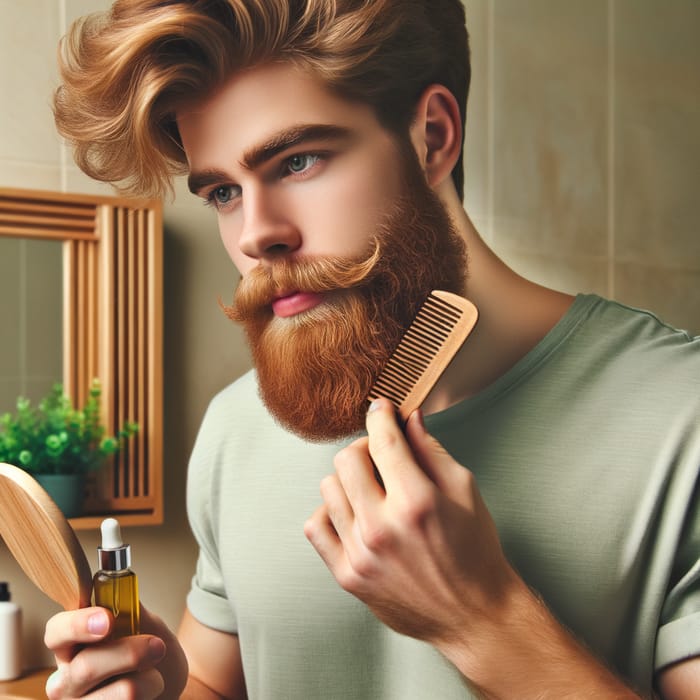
<point>256,291</point>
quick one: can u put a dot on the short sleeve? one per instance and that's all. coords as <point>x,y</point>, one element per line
<point>678,637</point>
<point>207,599</point>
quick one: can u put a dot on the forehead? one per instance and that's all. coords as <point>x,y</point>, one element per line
<point>258,103</point>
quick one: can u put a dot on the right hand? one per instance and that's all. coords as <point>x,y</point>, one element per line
<point>145,666</point>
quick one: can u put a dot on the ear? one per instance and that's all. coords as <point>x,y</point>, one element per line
<point>436,133</point>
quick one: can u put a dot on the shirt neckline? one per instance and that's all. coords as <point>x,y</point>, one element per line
<point>580,309</point>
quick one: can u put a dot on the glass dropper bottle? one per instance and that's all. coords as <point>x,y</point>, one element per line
<point>115,585</point>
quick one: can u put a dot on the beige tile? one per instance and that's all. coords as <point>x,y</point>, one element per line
<point>78,182</point>
<point>571,274</point>
<point>674,295</point>
<point>28,36</point>
<point>483,226</point>
<point>78,8</point>
<point>27,175</point>
<point>75,180</point>
<point>657,137</point>
<point>550,109</point>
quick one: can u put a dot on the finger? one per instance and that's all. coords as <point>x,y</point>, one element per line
<point>340,512</point>
<point>338,558</point>
<point>390,451</point>
<point>358,477</point>
<point>146,685</point>
<point>321,533</point>
<point>66,630</point>
<point>433,458</point>
<point>94,666</point>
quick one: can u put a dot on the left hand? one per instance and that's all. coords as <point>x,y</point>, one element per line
<point>422,552</point>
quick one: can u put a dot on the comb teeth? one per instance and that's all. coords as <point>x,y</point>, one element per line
<point>440,328</point>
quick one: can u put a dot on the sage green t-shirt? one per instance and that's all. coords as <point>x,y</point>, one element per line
<point>586,453</point>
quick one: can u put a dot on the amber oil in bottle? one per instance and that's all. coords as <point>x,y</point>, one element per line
<point>115,585</point>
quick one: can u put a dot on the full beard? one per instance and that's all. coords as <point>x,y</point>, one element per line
<point>316,369</point>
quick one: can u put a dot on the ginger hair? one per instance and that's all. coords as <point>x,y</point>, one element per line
<point>125,72</point>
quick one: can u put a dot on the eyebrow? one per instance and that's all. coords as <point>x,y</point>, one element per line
<point>289,138</point>
<point>197,181</point>
<point>261,154</point>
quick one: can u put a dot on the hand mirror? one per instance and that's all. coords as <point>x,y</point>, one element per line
<point>42,541</point>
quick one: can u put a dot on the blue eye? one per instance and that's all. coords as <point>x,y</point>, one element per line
<point>300,163</point>
<point>222,195</point>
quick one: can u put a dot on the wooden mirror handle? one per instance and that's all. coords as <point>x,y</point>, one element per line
<point>42,541</point>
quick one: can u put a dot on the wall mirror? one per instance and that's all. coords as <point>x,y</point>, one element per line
<point>31,352</point>
<point>82,287</point>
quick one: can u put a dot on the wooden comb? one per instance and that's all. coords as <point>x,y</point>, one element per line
<point>438,331</point>
<point>42,541</point>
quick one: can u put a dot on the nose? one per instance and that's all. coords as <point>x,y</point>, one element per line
<point>267,231</point>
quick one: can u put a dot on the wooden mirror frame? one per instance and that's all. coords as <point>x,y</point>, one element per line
<point>112,330</point>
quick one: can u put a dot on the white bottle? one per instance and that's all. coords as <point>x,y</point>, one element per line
<point>10,636</point>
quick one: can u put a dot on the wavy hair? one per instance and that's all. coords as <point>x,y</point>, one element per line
<point>124,72</point>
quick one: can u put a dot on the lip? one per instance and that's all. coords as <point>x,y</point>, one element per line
<point>294,303</point>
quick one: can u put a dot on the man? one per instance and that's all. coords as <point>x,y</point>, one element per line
<point>538,539</point>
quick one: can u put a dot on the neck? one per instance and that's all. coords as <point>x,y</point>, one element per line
<point>514,315</point>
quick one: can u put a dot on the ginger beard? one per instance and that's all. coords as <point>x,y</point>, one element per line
<point>316,369</point>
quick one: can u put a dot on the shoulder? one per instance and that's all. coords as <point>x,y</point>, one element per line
<point>236,405</point>
<point>629,360</point>
<point>635,324</point>
<point>238,431</point>
<point>243,390</point>
<point>232,423</point>
<point>233,412</point>
<point>633,340</point>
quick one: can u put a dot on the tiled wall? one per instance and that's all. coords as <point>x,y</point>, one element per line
<point>583,147</point>
<point>581,167</point>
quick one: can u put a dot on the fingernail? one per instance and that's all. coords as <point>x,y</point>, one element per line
<point>97,624</point>
<point>53,681</point>
<point>156,649</point>
<point>375,405</point>
<point>420,417</point>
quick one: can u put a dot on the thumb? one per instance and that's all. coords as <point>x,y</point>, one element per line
<point>434,459</point>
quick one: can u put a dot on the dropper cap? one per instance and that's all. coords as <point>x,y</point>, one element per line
<point>5,596</point>
<point>113,555</point>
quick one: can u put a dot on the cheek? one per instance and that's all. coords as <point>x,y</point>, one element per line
<point>243,263</point>
<point>346,214</point>
<point>338,225</point>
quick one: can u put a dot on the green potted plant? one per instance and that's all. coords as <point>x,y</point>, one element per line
<point>59,444</point>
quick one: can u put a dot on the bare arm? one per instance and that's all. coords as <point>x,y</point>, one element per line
<point>216,669</point>
<point>423,553</point>
<point>680,681</point>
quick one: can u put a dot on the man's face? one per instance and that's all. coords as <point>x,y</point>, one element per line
<point>290,168</point>
<point>336,234</point>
